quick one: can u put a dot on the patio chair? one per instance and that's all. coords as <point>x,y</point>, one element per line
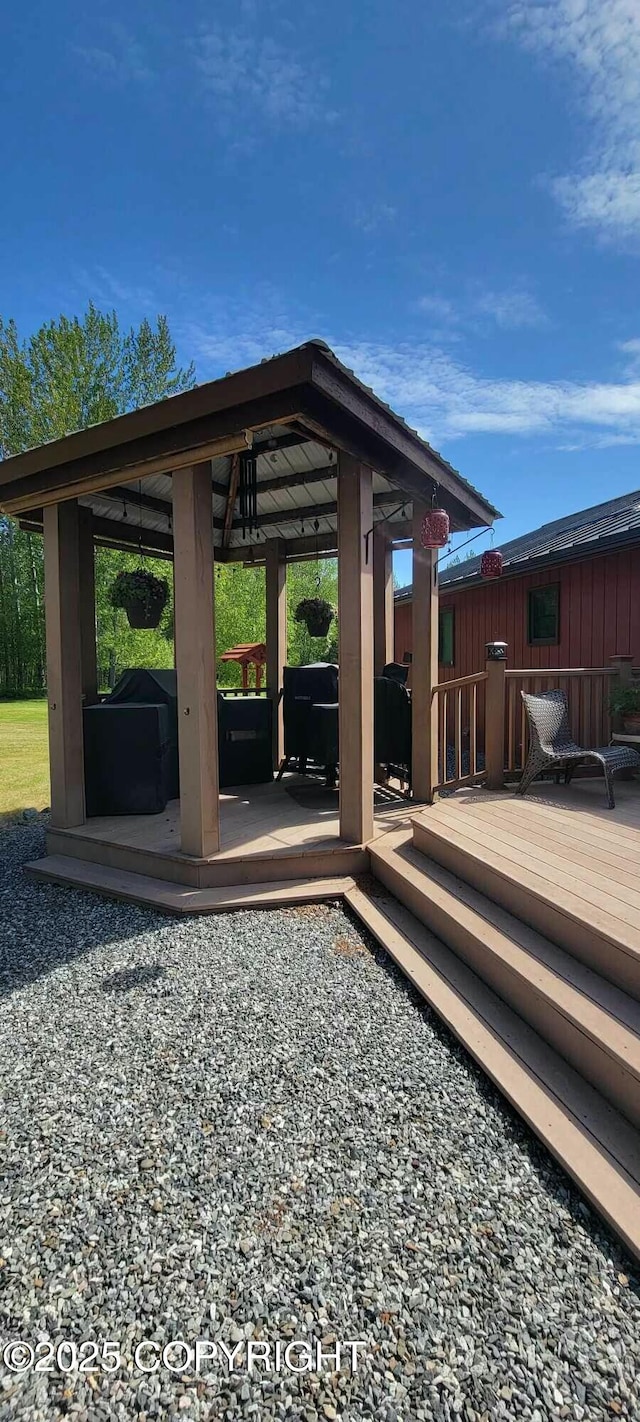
<point>552,746</point>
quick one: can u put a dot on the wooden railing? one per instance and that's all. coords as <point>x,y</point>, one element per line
<point>461,710</point>
<point>481,719</point>
<point>588,691</point>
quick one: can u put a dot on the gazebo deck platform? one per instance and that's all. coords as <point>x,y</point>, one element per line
<point>280,831</point>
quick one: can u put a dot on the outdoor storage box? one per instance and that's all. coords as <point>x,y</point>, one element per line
<point>126,758</point>
<point>245,748</point>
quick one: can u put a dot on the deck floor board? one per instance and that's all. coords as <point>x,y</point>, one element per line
<point>558,843</point>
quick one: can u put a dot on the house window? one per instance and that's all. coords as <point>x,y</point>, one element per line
<point>446,652</point>
<point>543,614</point>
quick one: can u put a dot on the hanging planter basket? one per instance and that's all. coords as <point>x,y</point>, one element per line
<point>142,596</point>
<point>317,614</point>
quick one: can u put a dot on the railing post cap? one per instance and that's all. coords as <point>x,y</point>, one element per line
<point>496,651</point>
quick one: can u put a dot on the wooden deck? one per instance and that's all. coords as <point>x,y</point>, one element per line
<point>519,920</point>
<point>556,857</point>
<point>278,831</point>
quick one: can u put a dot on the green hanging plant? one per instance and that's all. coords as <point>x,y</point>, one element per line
<point>317,614</point>
<point>142,596</point>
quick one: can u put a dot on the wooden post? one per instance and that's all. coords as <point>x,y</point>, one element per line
<point>88,608</point>
<point>624,664</point>
<point>64,663</point>
<point>382,602</point>
<point>494,716</point>
<point>276,592</point>
<point>355,623</point>
<point>196,660</point>
<point>424,665</point>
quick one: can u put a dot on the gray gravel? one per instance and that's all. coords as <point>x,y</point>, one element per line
<point>250,1126</point>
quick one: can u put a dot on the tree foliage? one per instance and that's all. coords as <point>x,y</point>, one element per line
<point>76,372</point>
<point>71,373</point>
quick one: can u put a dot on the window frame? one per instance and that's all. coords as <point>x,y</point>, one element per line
<point>543,641</point>
<point>449,612</point>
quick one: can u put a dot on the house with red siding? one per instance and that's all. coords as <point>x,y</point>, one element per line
<point>569,596</point>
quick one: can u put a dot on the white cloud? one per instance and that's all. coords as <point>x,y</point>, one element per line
<point>601,39</point>
<point>120,58</point>
<point>441,397</point>
<point>447,400</point>
<point>370,216</point>
<point>440,308</point>
<point>444,395</point>
<point>244,73</point>
<point>108,289</point>
<point>509,309</point>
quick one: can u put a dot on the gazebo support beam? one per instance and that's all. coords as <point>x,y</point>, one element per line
<point>61,528</point>
<point>87,577</point>
<point>424,666</point>
<point>355,623</point>
<point>276,596</point>
<point>196,661</point>
<point>382,601</point>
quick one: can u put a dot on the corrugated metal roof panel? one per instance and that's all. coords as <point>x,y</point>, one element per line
<point>309,457</point>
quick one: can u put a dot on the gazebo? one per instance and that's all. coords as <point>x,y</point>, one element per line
<point>246,655</point>
<point>287,460</point>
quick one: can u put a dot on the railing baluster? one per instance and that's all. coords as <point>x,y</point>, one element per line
<point>473,727</point>
<point>458,733</point>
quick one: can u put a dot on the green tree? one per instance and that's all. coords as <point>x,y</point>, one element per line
<point>71,373</point>
<point>241,611</point>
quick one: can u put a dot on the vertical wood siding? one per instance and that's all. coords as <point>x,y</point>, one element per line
<point>599,616</point>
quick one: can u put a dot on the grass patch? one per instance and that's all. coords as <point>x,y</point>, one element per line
<point>24,756</point>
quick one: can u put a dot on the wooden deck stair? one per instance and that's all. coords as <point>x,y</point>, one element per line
<point>584,897</point>
<point>559,1036</point>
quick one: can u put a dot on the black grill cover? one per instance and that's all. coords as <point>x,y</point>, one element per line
<point>324,733</point>
<point>245,748</point>
<point>144,686</point>
<point>392,723</point>
<point>126,759</point>
<point>303,687</point>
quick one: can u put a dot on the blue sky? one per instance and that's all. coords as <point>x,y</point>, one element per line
<point>451,200</point>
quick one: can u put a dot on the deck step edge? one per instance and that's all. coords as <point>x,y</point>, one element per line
<point>594,1144</point>
<point>167,896</point>
<point>598,1008</point>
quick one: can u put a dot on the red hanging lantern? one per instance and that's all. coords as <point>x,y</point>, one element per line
<point>491,563</point>
<point>435,529</point>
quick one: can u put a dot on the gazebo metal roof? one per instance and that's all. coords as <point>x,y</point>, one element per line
<point>291,414</point>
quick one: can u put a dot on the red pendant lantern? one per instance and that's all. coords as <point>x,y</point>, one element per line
<point>491,563</point>
<point>435,529</point>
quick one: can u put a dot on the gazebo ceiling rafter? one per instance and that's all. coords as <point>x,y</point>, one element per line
<point>307,513</point>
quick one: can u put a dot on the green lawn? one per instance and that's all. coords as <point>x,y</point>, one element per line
<point>24,756</point>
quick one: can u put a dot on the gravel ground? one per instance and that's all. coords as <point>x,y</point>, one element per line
<point>249,1127</point>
